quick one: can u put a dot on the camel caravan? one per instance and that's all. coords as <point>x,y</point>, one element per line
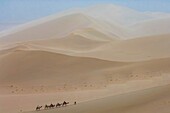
<point>53,105</point>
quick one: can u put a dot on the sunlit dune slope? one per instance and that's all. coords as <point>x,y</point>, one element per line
<point>57,28</point>
<point>138,49</point>
<point>153,100</point>
<point>152,27</point>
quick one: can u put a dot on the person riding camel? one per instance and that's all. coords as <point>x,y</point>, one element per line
<point>75,103</point>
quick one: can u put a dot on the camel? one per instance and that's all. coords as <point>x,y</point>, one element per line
<point>65,103</point>
<point>58,105</point>
<point>46,107</point>
<point>49,106</point>
<point>38,108</point>
<point>52,105</point>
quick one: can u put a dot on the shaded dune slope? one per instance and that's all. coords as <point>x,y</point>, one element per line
<point>42,65</point>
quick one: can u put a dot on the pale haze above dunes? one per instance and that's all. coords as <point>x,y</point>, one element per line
<point>85,54</point>
<point>117,21</point>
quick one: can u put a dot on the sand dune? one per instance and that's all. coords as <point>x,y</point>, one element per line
<point>59,27</point>
<point>41,64</point>
<point>44,66</point>
<point>132,50</point>
<point>148,101</point>
<point>120,15</point>
<point>67,22</point>
<point>139,49</point>
<point>105,51</point>
<point>152,27</point>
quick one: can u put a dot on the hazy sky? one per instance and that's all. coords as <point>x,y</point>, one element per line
<point>18,11</point>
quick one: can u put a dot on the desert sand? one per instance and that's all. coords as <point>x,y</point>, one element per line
<point>148,101</point>
<point>107,58</point>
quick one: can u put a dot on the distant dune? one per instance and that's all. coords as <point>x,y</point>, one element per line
<point>107,58</point>
<point>5,26</point>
